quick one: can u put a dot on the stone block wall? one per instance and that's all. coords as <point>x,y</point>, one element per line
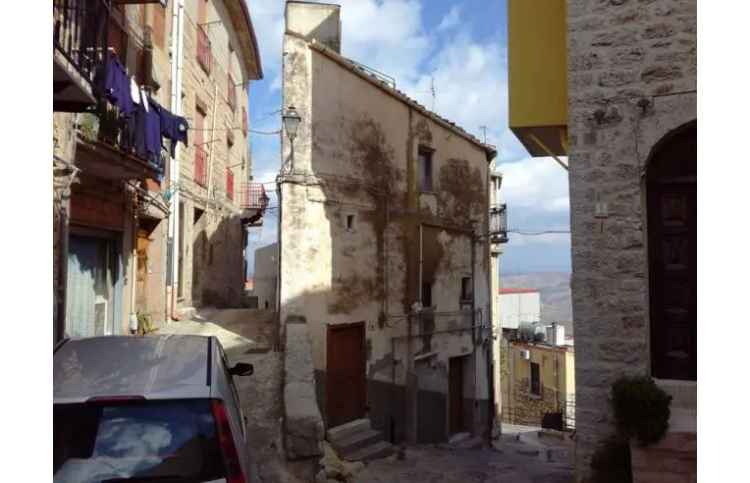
<point>631,80</point>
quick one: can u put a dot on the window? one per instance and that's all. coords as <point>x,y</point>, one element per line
<point>230,184</point>
<point>426,294</point>
<point>466,293</point>
<point>244,122</point>
<point>349,222</point>
<point>536,386</point>
<point>425,169</point>
<point>231,93</point>
<point>200,175</point>
<point>96,442</point>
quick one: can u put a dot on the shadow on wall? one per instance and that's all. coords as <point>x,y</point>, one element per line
<point>218,263</point>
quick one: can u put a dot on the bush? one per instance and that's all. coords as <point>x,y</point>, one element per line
<point>641,409</point>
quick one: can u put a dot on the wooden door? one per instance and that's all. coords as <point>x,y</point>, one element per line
<point>456,394</point>
<point>345,384</point>
<point>141,288</point>
<point>672,258</point>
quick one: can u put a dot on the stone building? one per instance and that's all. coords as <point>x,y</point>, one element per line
<point>112,207</point>
<point>384,253</point>
<point>539,380</point>
<point>620,102</point>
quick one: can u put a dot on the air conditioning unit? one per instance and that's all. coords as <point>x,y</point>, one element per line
<point>525,355</point>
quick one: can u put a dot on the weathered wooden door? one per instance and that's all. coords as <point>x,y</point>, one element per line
<point>345,374</point>
<point>456,394</point>
<point>141,292</point>
<point>672,258</point>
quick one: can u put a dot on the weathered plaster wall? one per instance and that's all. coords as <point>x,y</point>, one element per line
<point>355,156</point>
<point>213,249</point>
<point>631,80</point>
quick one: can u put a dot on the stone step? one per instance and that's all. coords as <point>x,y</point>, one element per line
<point>348,429</point>
<point>355,442</point>
<point>372,452</point>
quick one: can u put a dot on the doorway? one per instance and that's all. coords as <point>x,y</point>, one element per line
<point>346,395</point>
<point>672,241</point>
<point>91,284</point>
<point>456,395</point>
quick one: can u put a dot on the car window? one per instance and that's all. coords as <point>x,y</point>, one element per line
<point>233,388</point>
<point>137,441</point>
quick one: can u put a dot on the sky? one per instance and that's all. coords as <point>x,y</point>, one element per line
<point>461,47</point>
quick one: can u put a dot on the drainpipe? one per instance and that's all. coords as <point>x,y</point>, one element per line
<point>178,7</point>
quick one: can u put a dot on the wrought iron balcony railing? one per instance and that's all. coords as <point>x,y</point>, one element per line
<point>79,33</point>
<point>253,197</point>
<point>499,223</point>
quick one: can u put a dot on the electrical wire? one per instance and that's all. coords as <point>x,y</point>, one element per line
<point>537,233</point>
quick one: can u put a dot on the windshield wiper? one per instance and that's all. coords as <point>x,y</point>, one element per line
<point>155,479</point>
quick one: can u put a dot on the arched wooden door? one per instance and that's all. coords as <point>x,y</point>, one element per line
<point>672,234</point>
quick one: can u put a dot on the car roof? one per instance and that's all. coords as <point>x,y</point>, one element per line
<point>155,367</point>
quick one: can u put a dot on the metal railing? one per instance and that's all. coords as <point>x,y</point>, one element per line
<point>200,174</point>
<point>253,197</point>
<point>80,33</point>
<point>499,223</point>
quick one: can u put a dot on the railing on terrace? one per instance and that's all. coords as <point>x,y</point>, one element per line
<point>104,125</point>
<point>200,174</point>
<point>80,33</point>
<point>203,49</point>
<point>253,197</point>
<point>499,223</point>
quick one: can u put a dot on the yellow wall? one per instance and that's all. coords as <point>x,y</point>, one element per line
<point>537,72</point>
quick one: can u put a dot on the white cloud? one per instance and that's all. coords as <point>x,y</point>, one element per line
<point>535,183</point>
<point>451,19</point>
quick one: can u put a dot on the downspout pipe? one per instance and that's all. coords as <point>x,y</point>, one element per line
<point>178,7</point>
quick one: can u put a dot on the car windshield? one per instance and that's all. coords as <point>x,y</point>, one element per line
<point>160,441</point>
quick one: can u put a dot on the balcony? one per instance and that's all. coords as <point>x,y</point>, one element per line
<point>80,40</point>
<point>200,175</point>
<point>203,49</point>
<point>110,143</point>
<point>499,224</point>
<point>253,202</point>
<point>537,76</point>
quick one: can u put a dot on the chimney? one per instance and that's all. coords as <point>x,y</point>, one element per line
<point>318,21</point>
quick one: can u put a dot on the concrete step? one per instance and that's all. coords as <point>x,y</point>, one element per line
<point>347,430</point>
<point>355,442</point>
<point>372,452</point>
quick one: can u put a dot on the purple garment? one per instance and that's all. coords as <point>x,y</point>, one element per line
<point>173,127</point>
<point>147,131</point>
<point>117,86</point>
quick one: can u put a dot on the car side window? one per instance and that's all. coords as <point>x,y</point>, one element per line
<point>233,388</point>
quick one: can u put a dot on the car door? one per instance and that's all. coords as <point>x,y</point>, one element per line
<point>236,406</point>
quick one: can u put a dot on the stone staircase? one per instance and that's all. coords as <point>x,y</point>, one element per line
<point>357,441</point>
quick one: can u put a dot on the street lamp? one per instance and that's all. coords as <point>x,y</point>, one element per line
<point>291,122</point>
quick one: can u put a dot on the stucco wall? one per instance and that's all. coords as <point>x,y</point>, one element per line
<point>356,155</point>
<point>631,80</point>
<point>213,270</point>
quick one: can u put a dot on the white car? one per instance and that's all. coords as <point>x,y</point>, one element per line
<point>147,409</point>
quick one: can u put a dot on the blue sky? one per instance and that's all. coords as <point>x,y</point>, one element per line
<point>462,46</point>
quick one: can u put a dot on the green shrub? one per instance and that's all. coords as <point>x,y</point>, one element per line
<point>641,409</point>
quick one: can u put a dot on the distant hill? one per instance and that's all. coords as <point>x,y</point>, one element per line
<point>554,288</point>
